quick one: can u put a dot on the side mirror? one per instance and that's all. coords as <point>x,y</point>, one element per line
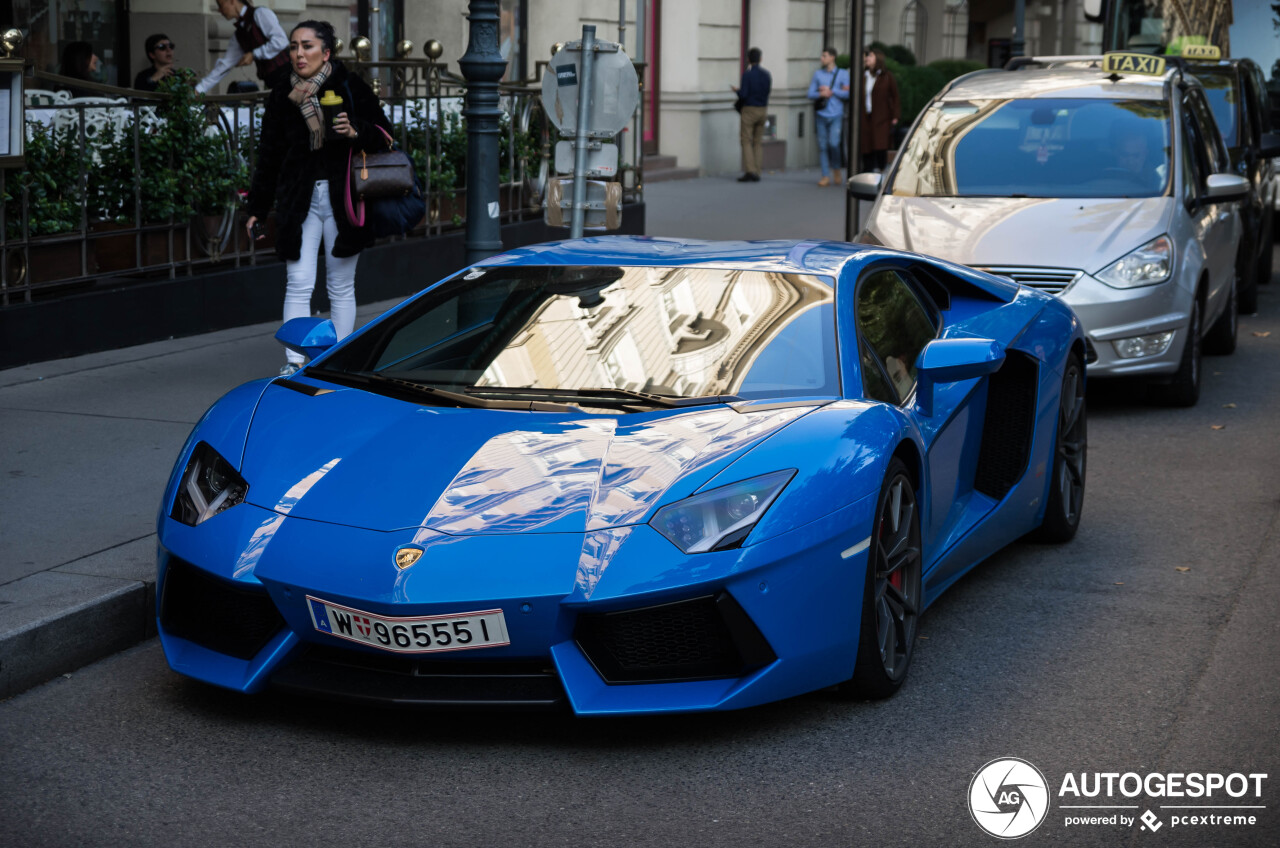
<point>953,360</point>
<point>1224,188</point>
<point>865,186</point>
<point>308,336</point>
<point>1270,147</point>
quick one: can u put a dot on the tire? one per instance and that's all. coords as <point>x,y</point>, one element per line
<point>1070,460</point>
<point>1221,338</point>
<point>1247,284</point>
<point>1184,388</point>
<point>892,594</point>
<point>1266,259</point>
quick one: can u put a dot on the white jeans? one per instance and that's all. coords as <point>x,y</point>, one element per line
<point>340,273</point>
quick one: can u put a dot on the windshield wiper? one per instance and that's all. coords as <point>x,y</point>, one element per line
<point>603,395</point>
<point>409,390</point>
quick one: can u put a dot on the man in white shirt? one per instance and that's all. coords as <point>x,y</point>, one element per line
<point>259,39</point>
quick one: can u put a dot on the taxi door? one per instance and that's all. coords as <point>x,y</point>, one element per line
<point>1216,225</point>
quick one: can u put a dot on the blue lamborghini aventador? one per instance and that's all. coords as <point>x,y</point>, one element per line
<point>624,475</point>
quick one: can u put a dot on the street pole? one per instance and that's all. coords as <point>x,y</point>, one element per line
<point>581,137</point>
<point>1018,44</point>
<point>482,66</point>
<point>856,97</point>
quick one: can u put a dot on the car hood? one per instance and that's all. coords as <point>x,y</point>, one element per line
<point>359,459</point>
<point>1081,233</point>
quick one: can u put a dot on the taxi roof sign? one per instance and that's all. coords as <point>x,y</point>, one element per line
<point>1133,63</point>
<point>1210,52</point>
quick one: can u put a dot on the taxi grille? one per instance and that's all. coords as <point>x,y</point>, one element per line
<point>216,614</point>
<point>700,639</point>
<point>1048,280</point>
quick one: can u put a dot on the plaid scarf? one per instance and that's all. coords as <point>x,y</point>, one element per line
<point>304,95</point>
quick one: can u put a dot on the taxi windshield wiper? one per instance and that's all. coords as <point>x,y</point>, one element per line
<point>416,392</point>
<point>605,395</point>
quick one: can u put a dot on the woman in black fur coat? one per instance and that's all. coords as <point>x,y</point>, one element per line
<point>303,169</point>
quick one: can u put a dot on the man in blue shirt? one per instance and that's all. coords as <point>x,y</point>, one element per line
<point>753,97</point>
<point>828,90</point>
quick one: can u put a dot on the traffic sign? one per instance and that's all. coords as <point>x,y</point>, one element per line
<point>615,91</point>
<point>602,158</point>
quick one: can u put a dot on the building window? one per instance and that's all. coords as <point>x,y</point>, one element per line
<point>913,29</point>
<point>955,30</point>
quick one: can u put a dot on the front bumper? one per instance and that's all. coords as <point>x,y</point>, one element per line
<point>1108,315</point>
<point>795,593</point>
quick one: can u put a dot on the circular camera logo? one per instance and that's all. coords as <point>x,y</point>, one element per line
<point>1008,798</point>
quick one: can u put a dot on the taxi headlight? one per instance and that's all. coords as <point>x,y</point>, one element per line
<point>721,518</point>
<point>209,485</point>
<point>1139,346</point>
<point>1150,264</point>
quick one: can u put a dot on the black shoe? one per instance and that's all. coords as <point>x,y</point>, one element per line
<point>747,178</point>
<point>755,178</point>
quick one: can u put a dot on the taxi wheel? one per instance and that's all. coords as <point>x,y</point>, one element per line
<point>1184,388</point>
<point>1221,338</point>
<point>892,596</point>
<point>1071,447</point>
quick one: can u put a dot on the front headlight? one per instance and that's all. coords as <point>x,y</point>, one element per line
<point>1150,264</point>
<point>208,486</point>
<point>721,518</point>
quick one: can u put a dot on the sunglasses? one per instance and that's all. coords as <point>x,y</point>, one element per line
<point>165,45</point>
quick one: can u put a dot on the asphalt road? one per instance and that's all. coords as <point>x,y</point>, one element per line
<point>1151,643</point>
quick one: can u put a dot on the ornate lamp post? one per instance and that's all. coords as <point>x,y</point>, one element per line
<point>482,66</point>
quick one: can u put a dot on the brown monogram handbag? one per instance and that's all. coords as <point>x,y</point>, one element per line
<point>377,175</point>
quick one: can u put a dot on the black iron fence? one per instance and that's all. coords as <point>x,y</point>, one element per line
<point>124,184</point>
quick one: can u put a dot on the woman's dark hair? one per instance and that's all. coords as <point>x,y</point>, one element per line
<point>76,57</point>
<point>153,40</point>
<point>323,30</point>
<point>880,67</point>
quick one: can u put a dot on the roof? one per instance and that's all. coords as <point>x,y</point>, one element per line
<point>1073,80</point>
<point>827,258</point>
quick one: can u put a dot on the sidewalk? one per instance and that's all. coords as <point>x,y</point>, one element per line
<point>91,441</point>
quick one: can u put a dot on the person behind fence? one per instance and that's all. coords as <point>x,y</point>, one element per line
<point>159,49</point>
<point>80,62</point>
<point>880,111</point>
<point>259,39</point>
<point>303,170</point>
<point>753,99</point>
<point>828,90</point>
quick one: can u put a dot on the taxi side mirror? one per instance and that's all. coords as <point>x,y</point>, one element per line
<point>1270,147</point>
<point>1224,188</point>
<point>865,186</point>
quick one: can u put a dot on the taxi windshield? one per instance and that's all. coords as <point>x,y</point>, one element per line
<point>1042,147</point>
<point>1219,85</point>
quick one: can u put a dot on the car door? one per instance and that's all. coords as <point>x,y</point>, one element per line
<point>1217,224</point>
<point>896,318</point>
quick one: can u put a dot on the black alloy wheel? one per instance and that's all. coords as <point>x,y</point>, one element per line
<point>1070,458</point>
<point>892,595</point>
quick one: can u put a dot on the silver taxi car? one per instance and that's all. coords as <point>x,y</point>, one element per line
<point>1103,180</point>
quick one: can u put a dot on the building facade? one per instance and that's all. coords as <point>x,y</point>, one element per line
<point>693,50</point>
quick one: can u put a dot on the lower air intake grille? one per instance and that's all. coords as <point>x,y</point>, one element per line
<point>700,639</point>
<point>1048,280</point>
<point>362,677</point>
<point>216,614</point>
<point>1010,421</point>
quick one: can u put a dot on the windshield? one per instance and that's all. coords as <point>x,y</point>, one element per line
<point>676,332</point>
<point>1219,85</point>
<point>1042,147</point>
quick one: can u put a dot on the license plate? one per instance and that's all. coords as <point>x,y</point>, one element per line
<point>411,634</point>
